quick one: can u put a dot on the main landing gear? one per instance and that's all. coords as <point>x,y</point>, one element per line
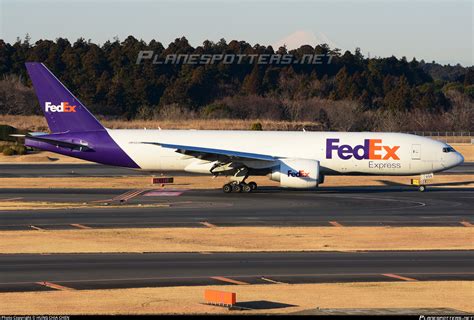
<point>239,187</point>
<point>237,184</point>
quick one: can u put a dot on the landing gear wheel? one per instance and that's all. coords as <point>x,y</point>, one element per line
<point>246,188</point>
<point>237,188</point>
<point>422,188</point>
<point>227,188</point>
<point>252,185</point>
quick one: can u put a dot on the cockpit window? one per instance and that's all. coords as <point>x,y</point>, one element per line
<point>448,149</point>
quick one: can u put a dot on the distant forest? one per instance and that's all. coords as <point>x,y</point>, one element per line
<point>352,92</point>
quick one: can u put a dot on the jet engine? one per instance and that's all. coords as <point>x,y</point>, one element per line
<point>297,173</point>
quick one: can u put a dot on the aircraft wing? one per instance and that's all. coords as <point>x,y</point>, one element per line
<point>214,154</point>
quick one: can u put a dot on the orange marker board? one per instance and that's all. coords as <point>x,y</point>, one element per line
<point>219,297</point>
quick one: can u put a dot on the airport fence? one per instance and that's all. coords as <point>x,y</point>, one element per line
<point>446,136</point>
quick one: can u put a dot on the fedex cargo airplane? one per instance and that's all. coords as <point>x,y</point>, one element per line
<point>295,159</point>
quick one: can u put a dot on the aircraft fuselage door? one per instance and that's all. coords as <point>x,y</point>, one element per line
<point>415,151</point>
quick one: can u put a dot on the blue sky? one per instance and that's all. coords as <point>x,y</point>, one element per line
<point>429,30</point>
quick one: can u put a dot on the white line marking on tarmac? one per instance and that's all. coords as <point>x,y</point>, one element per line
<point>272,281</point>
<point>129,195</point>
<point>80,226</point>
<point>105,200</point>
<point>11,199</point>
<point>207,224</point>
<point>396,276</point>
<point>54,286</point>
<point>229,280</point>
<point>467,224</point>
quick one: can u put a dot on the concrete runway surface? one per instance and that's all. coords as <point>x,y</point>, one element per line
<point>370,206</point>
<point>11,170</point>
<point>25,272</point>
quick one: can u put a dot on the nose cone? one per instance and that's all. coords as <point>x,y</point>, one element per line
<point>452,160</point>
<point>460,159</point>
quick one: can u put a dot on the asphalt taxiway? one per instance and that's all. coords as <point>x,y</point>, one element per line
<point>369,206</point>
<point>11,170</point>
<point>34,170</point>
<point>25,272</point>
<point>389,205</point>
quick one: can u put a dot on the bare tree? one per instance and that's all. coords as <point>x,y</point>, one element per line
<point>16,98</point>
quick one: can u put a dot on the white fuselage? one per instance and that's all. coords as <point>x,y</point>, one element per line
<point>343,153</point>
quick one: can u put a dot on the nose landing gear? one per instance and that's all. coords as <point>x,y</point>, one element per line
<point>421,182</point>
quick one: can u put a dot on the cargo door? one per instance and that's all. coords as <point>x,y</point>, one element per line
<point>415,151</point>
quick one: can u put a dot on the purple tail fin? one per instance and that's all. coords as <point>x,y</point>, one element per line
<point>63,111</point>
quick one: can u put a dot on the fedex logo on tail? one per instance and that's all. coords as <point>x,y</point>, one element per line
<point>372,149</point>
<point>63,107</point>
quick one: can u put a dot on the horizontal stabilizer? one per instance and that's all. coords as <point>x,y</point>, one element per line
<point>62,144</point>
